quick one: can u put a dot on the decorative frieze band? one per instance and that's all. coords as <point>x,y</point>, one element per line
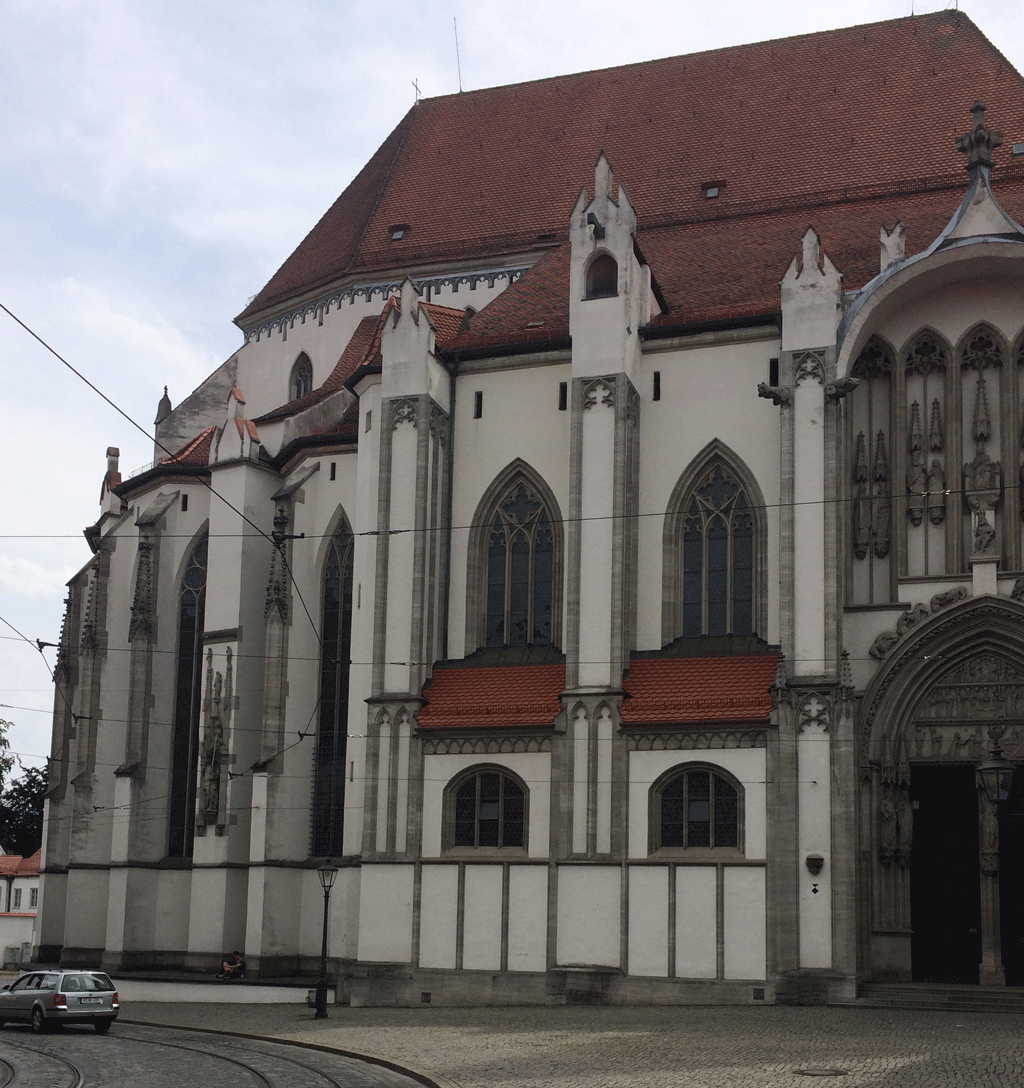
<point>685,742</point>
<point>320,307</point>
<point>484,746</point>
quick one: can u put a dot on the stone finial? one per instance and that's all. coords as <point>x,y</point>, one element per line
<point>893,245</point>
<point>978,144</point>
<point>163,409</point>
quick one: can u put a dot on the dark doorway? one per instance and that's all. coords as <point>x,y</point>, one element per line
<point>945,885</point>
<point>1011,882</point>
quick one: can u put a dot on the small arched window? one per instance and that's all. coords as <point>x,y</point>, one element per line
<point>602,277</point>
<point>695,809</point>
<point>487,808</point>
<point>302,377</point>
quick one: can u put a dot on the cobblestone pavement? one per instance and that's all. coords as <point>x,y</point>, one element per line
<point>660,1047</point>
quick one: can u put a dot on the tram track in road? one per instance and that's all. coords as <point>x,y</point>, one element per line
<point>164,1057</point>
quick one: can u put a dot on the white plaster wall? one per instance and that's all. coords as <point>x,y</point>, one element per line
<point>400,558</point>
<point>385,913</point>
<point>694,410</point>
<point>481,941</point>
<point>588,915</point>
<point>696,921</point>
<point>171,921</point>
<point>343,917</point>
<point>439,894</point>
<point>533,767</point>
<point>535,431</point>
<point>746,764</point>
<point>596,531</point>
<point>86,927</point>
<point>648,921</point>
<point>809,528</point>
<point>815,831</point>
<point>744,922</point>
<point>527,917</point>
<point>953,309</point>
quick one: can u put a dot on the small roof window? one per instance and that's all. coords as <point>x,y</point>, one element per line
<point>398,231</point>
<point>712,189</point>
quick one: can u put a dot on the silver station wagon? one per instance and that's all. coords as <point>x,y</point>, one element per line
<point>49,999</point>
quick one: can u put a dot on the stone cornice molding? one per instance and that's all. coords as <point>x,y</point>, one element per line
<point>703,740</point>
<point>481,746</point>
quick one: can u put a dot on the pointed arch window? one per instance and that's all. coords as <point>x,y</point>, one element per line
<point>602,277</point>
<point>187,705</point>
<point>302,377</point>
<point>520,571</point>
<point>718,559</point>
<point>332,730</point>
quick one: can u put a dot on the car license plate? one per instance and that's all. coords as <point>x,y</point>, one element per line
<point>90,1001</point>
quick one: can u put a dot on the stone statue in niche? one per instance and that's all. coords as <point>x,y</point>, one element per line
<point>917,474</point>
<point>904,823</point>
<point>936,739</point>
<point>861,501</point>
<point>209,799</point>
<point>887,831</point>
<point>936,493</point>
<point>1017,593</point>
<point>983,482</point>
<point>984,533</point>
<point>881,514</point>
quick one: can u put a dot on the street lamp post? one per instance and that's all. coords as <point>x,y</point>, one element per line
<point>328,873</point>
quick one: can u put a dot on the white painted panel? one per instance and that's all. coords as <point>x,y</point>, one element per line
<point>383,780</point>
<point>744,923</point>
<point>402,798</point>
<point>534,768</point>
<point>596,530</point>
<point>648,921</point>
<point>604,783</point>
<point>815,831</point>
<point>588,915</point>
<point>696,922</point>
<point>527,917</point>
<point>581,733</point>
<point>481,936</point>
<point>809,528</point>
<point>746,764</point>
<point>385,914</point>
<point>439,895</point>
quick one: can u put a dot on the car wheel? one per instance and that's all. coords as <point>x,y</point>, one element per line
<point>102,1026</point>
<point>39,1024</point>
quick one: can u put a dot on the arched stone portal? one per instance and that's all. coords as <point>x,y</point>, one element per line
<point>932,849</point>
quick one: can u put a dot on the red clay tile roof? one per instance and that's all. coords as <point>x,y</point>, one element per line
<point>791,122</point>
<point>16,865</point>
<point>196,452</point>
<point>699,689</point>
<point>473,698</point>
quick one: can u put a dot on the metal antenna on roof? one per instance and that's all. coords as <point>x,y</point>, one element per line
<point>416,88</point>
<point>458,62</point>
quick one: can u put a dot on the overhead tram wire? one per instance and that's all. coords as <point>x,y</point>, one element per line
<point>277,544</point>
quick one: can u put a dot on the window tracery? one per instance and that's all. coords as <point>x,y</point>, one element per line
<point>187,704</point>
<point>520,571</point>
<point>696,808</point>
<point>486,809</point>
<point>302,376</point>
<point>332,730</point>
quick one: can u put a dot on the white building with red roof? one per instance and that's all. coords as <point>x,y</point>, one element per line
<point>19,901</point>
<point>606,544</point>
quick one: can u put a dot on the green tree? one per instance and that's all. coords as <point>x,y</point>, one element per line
<point>6,759</point>
<point>21,812</point>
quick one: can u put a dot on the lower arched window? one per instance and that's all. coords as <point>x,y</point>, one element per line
<point>487,809</point>
<point>696,809</point>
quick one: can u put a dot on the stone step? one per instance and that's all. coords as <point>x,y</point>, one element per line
<point>923,995</point>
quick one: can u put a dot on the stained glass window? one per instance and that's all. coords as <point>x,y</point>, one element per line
<point>699,809</point>
<point>187,706</point>
<point>332,730</point>
<point>490,810</point>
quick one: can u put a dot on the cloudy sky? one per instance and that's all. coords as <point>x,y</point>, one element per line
<point>162,157</point>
